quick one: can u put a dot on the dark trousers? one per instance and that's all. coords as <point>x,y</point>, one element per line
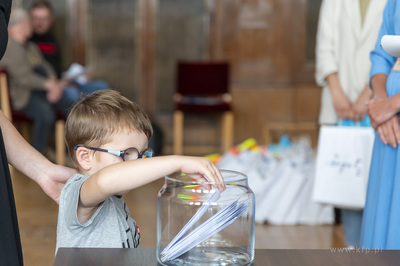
<point>42,112</point>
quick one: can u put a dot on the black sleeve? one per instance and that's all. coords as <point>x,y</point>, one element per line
<point>10,243</point>
<point>5,10</point>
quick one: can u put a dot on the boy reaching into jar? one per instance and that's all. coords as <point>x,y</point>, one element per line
<point>107,137</point>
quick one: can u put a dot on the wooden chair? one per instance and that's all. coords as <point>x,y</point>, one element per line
<point>18,117</point>
<point>203,87</point>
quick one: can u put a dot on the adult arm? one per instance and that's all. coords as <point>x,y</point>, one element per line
<point>119,178</point>
<point>382,111</point>
<point>50,177</point>
<point>384,121</point>
<point>360,105</point>
<point>16,64</point>
<point>325,43</point>
<point>326,63</point>
<point>54,86</point>
<point>341,103</point>
<point>21,70</point>
<point>378,112</point>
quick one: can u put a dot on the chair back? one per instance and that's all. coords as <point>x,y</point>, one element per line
<point>6,102</point>
<point>202,78</point>
<point>5,99</point>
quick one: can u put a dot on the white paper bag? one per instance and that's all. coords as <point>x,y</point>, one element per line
<point>343,162</point>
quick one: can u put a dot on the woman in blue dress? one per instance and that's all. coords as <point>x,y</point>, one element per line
<point>381,220</point>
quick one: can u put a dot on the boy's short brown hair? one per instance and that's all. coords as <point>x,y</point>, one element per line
<point>97,116</point>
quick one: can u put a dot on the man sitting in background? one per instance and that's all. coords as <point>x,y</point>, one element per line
<point>41,14</point>
<point>35,89</point>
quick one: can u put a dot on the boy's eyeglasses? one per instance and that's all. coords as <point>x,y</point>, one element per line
<point>126,155</point>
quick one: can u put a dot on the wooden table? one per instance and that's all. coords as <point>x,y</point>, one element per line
<point>286,257</point>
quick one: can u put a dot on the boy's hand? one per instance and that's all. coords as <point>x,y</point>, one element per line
<point>199,168</point>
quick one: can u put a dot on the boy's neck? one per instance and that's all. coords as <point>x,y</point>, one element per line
<point>83,172</point>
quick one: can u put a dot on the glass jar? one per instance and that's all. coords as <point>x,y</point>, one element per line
<point>205,227</point>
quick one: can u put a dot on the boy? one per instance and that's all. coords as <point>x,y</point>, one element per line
<point>107,137</point>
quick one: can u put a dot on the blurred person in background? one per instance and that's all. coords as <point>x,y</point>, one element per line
<point>380,228</point>
<point>79,78</point>
<point>35,89</point>
<point>347,31</point>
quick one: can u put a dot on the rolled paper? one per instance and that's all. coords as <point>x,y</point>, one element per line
<point>213,225</point>
<point>391,44</point>
<point>214,197</point>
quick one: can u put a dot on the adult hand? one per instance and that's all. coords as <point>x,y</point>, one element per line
<point>54,179</point>
<point>54,90</point>
<point>341,103</point>
<point>64,82</point>
<point>389,132</point>
<point>343,106</point>
<point>360,110</point>
<point>360,105</point>
<point>55,93</point>
<point>50,177</point>
<point>380,110</point>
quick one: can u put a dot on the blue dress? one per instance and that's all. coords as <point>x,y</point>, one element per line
<point>381,220</point>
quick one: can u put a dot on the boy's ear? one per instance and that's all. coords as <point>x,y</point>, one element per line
<point>84,158</point>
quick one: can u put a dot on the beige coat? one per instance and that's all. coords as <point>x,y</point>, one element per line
<point>19,61</point>
<point>343,46</point>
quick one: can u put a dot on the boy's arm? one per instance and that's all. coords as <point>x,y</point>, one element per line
<point>122,177</point>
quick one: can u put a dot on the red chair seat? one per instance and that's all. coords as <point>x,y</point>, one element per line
<point>18,116</point>
<point>198,108</point>
<point>203,87</point>
<point>60,115</point>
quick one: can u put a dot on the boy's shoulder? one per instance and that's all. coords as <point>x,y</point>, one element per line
<point>74,182</point>
<point>76,178</point>
<point>71,189</point>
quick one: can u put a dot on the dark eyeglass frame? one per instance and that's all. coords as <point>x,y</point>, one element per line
<point>144,154</point>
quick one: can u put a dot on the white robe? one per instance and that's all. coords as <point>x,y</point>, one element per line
<point>343,46</point>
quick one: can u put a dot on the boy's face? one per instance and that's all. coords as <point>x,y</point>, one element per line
<point>120,141</point>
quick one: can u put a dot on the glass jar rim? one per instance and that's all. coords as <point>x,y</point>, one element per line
<point>240,177</point>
